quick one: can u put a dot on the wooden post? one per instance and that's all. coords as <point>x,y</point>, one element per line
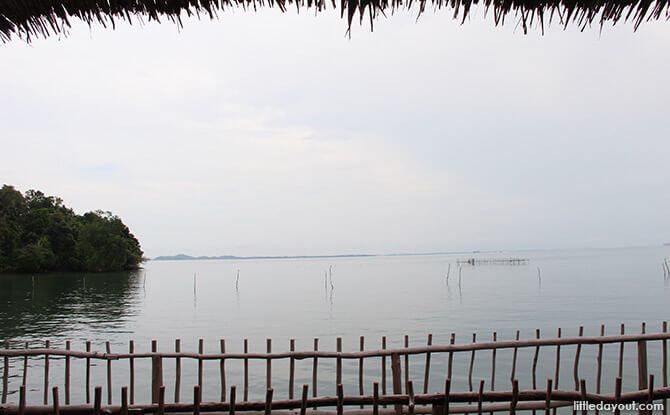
<point>397,380</point>
<point>617,394</point>
<point>268,368</point>
<point>384,366</point>
<point>406,362</point>
<point>375,398</point>
<point>67,373</point>
<point>452,340</point>
<point>447,391</point>
<point>410,403</point>
<point>600,361</point>
<point>516,350</point>
<point>109,374</point>
<point>222,370</point>
<point>54,398</point>
<point>303,401</point>
<point>196,400</point>
<point>177,370</point>
<point>577,354</point>
<point>88,373</point>
<point>131,362</point>
<point>515,397</point>
<point>314,367</point>
<point>97,400</point>
<point>426,372</point>
<point>472,363</point>
<point>161,400</point>
<point>291,375</point>
<point>535,357</point>
<point>232,399</point>
<point>582,383</point>
<point>623,330</point>
<point>642,374</point>
<point>22,400</point>
<point>480,397</point>
<point>340,399</point>
<point>246,370</point>
<point>268,402</point>
<point>360,369</point>
<point>558,361</point>
<point>124,401</point>
<point>5,376</point>
<point>338,370</point>
<point>547,403</point>
<point>493,363</point>
<point>46,374</point>
<point>25,367</point>
<point>665,366</point>
<point>201,350</point>
<point>156,373</point>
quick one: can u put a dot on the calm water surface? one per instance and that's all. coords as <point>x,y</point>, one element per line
<point>371,297</point>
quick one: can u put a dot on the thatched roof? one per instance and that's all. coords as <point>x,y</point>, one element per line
<point>28,18</point>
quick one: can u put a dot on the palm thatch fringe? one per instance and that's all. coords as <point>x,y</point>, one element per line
<point>29,18</point>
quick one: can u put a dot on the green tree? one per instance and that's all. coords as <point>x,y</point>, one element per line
<point>39,233</point>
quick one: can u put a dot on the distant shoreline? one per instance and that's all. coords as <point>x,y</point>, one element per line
<point>183,257</point>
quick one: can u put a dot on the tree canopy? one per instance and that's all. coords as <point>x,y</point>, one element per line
<point>38,233</point>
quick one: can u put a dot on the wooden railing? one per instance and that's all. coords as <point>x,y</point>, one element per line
<point>471,401</point>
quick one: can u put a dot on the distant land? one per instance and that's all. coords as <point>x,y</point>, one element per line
<point>184,257</point>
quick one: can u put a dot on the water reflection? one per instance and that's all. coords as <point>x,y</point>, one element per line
<point>67,305</point>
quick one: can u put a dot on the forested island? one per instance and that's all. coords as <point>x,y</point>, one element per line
<point>38,233</point>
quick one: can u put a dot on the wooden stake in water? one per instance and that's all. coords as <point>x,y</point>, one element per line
<point>25,367</point>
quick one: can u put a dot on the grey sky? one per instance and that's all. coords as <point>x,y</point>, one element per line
<point>263,133</point>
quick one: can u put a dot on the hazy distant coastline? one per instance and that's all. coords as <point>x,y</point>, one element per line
<point>184,257</point>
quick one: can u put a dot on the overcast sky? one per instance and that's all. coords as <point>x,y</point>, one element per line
<point>271,134</point>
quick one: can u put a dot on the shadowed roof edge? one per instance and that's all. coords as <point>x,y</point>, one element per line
<point>27,19</point>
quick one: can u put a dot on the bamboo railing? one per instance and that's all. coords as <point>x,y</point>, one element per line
<point>398,402</point>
